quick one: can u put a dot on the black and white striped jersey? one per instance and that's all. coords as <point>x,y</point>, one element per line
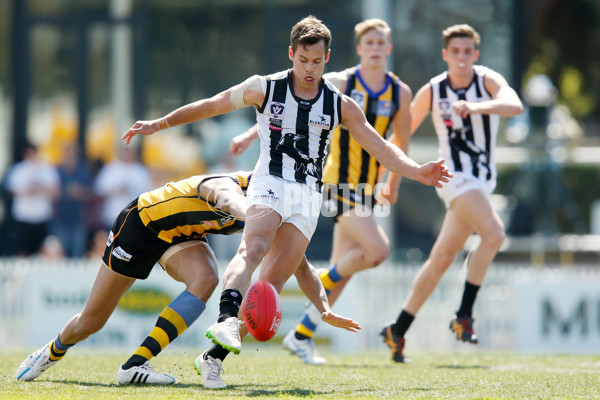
<point>294,133</point>
<point>468,144</point>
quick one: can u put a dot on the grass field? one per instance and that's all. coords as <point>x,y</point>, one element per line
<point>269,373</point>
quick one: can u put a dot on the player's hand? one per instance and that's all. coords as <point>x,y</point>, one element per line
<point>140,128</point>
<point>434,173</point>
<point>464,108</point>
<point>386,196</point>
<point>240,143</point>
<point>338,321</point>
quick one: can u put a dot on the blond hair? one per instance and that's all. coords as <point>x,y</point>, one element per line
<point>373,23</point>
<point>310,30</point>
<point>460,31</point>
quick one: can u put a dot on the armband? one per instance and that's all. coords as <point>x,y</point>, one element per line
<point>236,93</point>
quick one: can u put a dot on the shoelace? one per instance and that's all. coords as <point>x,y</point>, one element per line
<point>214,368</point>
<point>146,367</point>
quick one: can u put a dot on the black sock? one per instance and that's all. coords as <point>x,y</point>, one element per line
<point>468,299</point>
<point>231,299</point>
<point>300,336</point>
<point>134,361</point>
<point>402,323</point>
<point>217,352</point>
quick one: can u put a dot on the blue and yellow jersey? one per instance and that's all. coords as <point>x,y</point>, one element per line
<point>176,212</point>
<point>347,162</point>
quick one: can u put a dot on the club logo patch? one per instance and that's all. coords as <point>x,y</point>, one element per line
<point>358,97</point>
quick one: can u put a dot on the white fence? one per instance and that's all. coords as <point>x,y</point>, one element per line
<point>549,309</point>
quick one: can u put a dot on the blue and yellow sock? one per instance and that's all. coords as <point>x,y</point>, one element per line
<point>329,278</point>
<point>172,322</point>
<point>58,350</point>
<point>310,320</point>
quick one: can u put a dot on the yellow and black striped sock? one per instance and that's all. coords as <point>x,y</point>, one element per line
<point>172,322</point>
<point>168,327</point>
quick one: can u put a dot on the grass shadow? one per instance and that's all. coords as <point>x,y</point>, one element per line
<point>463,367</point>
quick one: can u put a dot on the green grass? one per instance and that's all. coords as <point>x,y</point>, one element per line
<point>269,373</point>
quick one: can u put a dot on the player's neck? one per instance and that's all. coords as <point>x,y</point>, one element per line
<point>460,81</point>
<point>374,78</point>
<point>304,91</point>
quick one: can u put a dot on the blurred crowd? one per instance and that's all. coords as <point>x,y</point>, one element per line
<point>66,210</point>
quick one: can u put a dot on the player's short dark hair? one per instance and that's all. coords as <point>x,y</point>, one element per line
<point>310,30</point>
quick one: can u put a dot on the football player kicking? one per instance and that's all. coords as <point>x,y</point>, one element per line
<point>163,226</point>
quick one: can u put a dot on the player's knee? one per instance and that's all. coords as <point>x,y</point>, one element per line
<point>494,239</point>
<point>379,254</point>
<point>209,282</point>
<point>255,251</point>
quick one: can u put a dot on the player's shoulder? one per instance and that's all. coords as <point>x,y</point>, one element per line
<point>438,78</point>
<point>336,79</point>
<point>277,75</point>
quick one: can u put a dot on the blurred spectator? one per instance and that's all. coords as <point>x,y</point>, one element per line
<point>97,245</point>
<point>34,186</point>
<point>52,249</point>
<point>119,182</point>
<point>70,223</point>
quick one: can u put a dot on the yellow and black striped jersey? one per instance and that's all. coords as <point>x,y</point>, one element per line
<point>347,162</point>
<point>176,212</point>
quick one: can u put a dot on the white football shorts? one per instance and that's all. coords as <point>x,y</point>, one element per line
<point>462,183</point>
<point>295,202</point>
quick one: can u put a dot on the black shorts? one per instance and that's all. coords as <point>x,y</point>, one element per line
<point>132,249</point>
<point>336,201</point>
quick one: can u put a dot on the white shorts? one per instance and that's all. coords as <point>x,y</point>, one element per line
<point>462,183</point>
<point>296,203</point>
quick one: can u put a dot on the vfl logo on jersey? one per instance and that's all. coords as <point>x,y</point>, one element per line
<point>322,121</point>
<point>444,106</point>
<point>277,109</point>
<point>358,97</point>
<point>110,239</point>
<point>276,120</point>
<point>121,254</point>
<point>384,108</point>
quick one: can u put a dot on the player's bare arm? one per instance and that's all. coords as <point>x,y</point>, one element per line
<point>310,283</point>
<point>388,154</point>
<point>505,101</point>
<point>420,107</point>
<point>401,138</point>
<point>225,194</point>
<point>246,94</point>
<point>241,142</point>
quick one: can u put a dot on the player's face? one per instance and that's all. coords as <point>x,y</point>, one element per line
<point>374,48</point>
<point>460,54</point>
<point>309,64</point>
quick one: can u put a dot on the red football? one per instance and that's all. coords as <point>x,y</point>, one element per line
<point>262,310</point>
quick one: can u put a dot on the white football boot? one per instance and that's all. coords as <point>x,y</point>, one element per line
<point>35,364</point>
<point>305,349</point>
<point>226,334</point>
<point>211,370</point>
<point>143,374</point>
